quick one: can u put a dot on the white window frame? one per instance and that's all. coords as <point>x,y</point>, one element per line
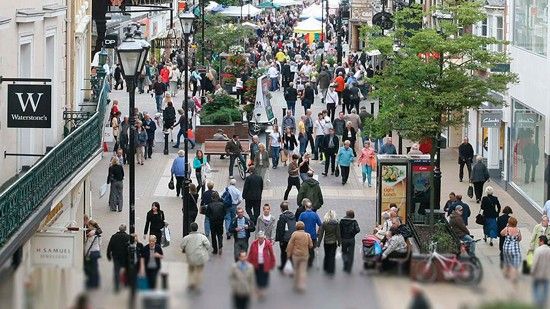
<point>26,137</point>
<point>50,135</point>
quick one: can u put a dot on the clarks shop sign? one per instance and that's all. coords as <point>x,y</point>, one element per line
<point>526,120</point>
<point>55,249</point>
<point>29,106</point>
<point>491,119</point>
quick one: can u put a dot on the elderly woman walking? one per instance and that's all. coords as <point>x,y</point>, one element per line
<point>262,257</point>
<point>480,175</point>
<point>298,251</point>
<point>261,161</point>
<point>330,230</point>
<point>491,209</point>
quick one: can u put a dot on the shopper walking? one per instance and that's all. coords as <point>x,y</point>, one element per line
<point>261,161</point>
<point>331,144</point>
<point>541,272</point>
<point>201,166</point>
<point>216,212</point>
<point>502,222</point>
<point>115,178</point>
<point>465,157</point>
<point>262,257</point>
<point>92,255</point>
<point>344,159</point>
<point>491,209</point>
<point>293,176</point>
<point>286,225</point>
<point>311,222</point>
<point>298,250</point>
<point>311,190</point>
<point>242,282</point>
<point>367,162</point>
<point>348,229</point>
<point>275,146</point>
<point>154,222</point>
<point>196,248</point>
<point>512,251</point>
<point>150,127</point>
<point>241,227</point>
<point>480,175</point>
<point>265,222</point>
<point>178,171</point>
<point>117,251</point>
<point>140,142</point>
<point>330,231</point>
<point>151,256</point>
<point>252,193</point>
<point>236,199</point>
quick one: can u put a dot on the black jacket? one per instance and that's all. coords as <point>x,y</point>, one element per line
<point>335,144</point>
<point>215,212</point>
<point>118,248</point>
<point>116,173</point>
<point>146,254</point>
<point>490,206</point>
<point>349,228</point>
<point>253,187</point>
<point>286,225</point>
<point>169,116</point>
<point>233,227</point>
<point>465,153</point>
<point>345,136</point>
<point>502,222</point>
<point>291,94</point>
<point>155,221</point>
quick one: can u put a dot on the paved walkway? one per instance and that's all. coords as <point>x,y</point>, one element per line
<point>342,291</point>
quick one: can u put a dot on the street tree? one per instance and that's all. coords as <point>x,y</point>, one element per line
<point>431,76</point>
<point>221,33</point>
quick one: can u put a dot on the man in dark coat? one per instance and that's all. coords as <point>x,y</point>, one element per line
<point>286,225</point>
<point>252,194</point>
<point>150,128</point>
<point>117,250</point>
<point>465,157</point>
<point>531,158</point>
<point>330,145</point>
<point>215,212</point>
<point>311,190</point>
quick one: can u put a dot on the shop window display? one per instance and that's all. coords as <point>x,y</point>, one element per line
<point>527,162</point>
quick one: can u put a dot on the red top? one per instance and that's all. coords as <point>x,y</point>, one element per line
<point>340,83</point>
<point>164,75</point>
<point>269,255</point>
<point>425,146</point>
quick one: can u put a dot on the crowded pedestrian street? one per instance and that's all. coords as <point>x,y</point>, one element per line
<point>277,154</point>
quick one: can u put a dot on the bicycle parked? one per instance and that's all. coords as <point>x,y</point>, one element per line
<point>453,268</point>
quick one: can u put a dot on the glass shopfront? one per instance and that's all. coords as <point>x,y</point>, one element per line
<point>531,25</point>
<point>527,152</point>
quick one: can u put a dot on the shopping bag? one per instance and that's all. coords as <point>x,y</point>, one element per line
<point>284,156</point>
<point>171,184</point>
<point>142,283</point>
<point>165,241</point>
<point>337,171</point>
<point>480,219</point>
<point>288,269</point>
<point>103,189</point>
<point>470,191</point>
<point>108,135</point>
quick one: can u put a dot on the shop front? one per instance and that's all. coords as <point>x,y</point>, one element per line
<point>527,155</point>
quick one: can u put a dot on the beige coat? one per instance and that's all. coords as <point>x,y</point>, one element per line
<point>541,263</point>
<point>299,244</point>
<point>196,248</point>
<point>242,281</point>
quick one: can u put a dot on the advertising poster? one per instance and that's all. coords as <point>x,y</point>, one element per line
<point>420,200</point>
<point>394,188</point>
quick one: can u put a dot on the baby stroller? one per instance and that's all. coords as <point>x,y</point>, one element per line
<point>372,249</point>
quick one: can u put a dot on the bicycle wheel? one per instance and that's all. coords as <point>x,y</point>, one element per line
<point>253,129</point>
<point>241,170</point>
<point>466,273</point>
<point>425,271</point>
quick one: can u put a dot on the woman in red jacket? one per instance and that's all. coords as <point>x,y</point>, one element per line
<point>261,255</point>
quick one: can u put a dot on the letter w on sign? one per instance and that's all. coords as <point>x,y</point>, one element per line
<point>25,103</point>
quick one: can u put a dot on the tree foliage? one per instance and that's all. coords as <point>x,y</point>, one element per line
<point>220,33</point>
<point>417,88</point>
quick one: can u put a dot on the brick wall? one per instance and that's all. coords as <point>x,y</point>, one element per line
<point>203,132</point>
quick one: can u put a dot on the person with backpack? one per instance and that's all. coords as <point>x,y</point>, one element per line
<point>286,225</point>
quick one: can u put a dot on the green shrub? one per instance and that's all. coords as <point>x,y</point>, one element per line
<point>222,116</point>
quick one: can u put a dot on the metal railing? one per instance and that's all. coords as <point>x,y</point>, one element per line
<point>24,196</point>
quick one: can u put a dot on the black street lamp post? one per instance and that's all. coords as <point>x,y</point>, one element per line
<point>132,54</point>
<point>186,20</point>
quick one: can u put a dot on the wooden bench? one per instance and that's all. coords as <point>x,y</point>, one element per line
<point>217,147</point>
<point>401,261</point>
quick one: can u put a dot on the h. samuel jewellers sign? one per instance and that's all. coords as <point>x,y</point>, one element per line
<point>56,250</point>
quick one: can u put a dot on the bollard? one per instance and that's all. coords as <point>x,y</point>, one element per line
<point>166,142</point>
<point>164,281</point>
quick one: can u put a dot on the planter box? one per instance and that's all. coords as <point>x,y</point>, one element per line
<point>203,132</point>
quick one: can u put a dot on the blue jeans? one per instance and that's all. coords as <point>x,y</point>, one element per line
<point>540,292</point>
<point>275,155</point>
<point>291,106</point>
<point>158,100</point>
<point>180,134</point>
<point>367,174</point>
<point>206,226</point>
<point>470,243</point>
<point>303,144</point>
<point>318,140</point>
<point>229,215</point>
<point>303,176</point>
<point>274,84</point>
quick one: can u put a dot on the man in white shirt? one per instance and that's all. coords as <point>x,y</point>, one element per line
<point>319,132</point>
<point>273,74</point>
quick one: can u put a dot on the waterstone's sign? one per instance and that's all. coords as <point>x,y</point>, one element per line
<point>29,106</point>
<point>53,250</point>
<point>491,119</point>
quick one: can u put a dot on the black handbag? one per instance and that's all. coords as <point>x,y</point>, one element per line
<point>470,191</point>
<point>336,171</point>
<point>526,269</point>
<point>171,184</point>
<point>480,219</point>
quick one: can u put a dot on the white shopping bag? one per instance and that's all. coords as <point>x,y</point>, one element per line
<point>108,135</point>
<point>103,189</point>
<point>288,269</point>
